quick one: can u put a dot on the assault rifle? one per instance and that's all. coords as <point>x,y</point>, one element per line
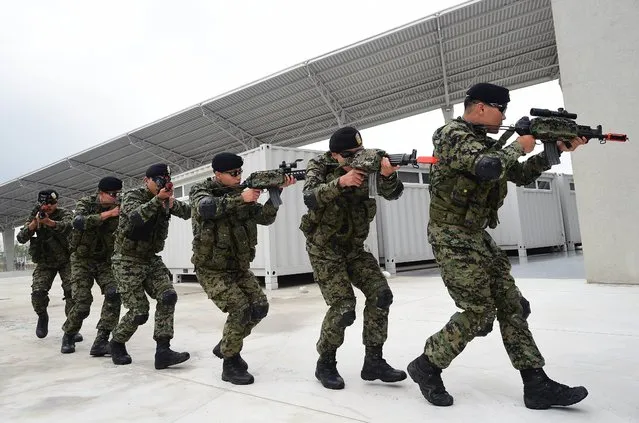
<point>370,161</point>
<point>551,126</point>
<point>37,211</point>
<point>163,182</point>
<point>273,179</point>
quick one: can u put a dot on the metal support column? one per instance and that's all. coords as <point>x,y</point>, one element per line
<point>8,239</point>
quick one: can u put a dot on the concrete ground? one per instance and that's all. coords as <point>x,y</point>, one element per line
<point>588,334</point>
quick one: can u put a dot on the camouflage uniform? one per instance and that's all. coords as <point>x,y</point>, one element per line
<point>142,230</point>
<point>475,270</point>
<point>92,247</point>
<point>335,227</point>
<point>223,248</point>
<point>49,249</point>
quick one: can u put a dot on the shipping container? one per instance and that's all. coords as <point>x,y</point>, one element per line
<point>531,217</point>
<point>401,224</point>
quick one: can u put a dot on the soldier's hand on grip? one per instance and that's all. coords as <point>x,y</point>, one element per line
<point>165,194</point>
<point>47,222</point>
<point>251,195</point>
<point>574,143</point>
<point>387,168</point>
<point>527,142</point>
<point>522,127</point>
<point>288,180</point>
<point>353,178</point>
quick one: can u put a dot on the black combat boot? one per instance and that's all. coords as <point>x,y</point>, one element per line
<point>217,351</point>
<point>119,355</point>
<point>326,371</point>
<point>234,372</point>
<point>42,328</point>
<point>68,343</point>
<point>165,356</point>
<point>428,377</point>
<point>541,392</point>
<point>78,337</point>
<point>375,367</point>
<point>100,346</point>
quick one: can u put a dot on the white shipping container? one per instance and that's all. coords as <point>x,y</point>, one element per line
<point>566,184</point>
<point>402,223</point>
<point>281,248</point>
<point>531,216</point>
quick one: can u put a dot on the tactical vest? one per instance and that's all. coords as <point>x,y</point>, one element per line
<point>146,240</point>
<point>228,242</point>
<point>462,199</point>
<point>95,243</point>
<point>50,246</point>
<point>345,220</point>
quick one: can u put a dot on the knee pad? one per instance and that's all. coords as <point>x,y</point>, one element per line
<point>244,315</point>
<point>485,323</point>
<point>475,323</point>
<point>384,298</point>
<point>485,330</point>
<point>346,319</point>
<point>39,294</point>
<point>525,305</point>
<point>112,295</point>
<point>169,297</point>
<point>141,319</point>
<point>259,311</point>
<point>83,314</point>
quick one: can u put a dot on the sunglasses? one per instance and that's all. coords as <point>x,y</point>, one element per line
<point>113,194</point>
<point>234,173</point>
<point>500,107</point>
<point>348,154</point>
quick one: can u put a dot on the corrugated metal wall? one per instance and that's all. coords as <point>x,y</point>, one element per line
<point>542,224</point>
<point>508,233</point>
<point>402,227</point>
<point>568,196</point>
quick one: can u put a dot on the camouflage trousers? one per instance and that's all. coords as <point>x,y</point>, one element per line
<point>336,270</point>
<point>135,280</point>
<point>479,282</point>
<point>43,276</point>
<point>238,294</point>
<point>84,272</point>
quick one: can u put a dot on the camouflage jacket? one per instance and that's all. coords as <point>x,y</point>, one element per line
<point>226,241</point>
<point>341,214</point>
<point>461,205</point>
<point>49,246</point>
<point>144,224</point>
<point>92,237</point>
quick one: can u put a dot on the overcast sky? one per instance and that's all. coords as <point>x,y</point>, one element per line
<point>76,74</point>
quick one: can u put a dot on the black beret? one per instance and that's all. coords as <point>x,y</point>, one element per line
<point>48,196</point>
<point>489,93</point>
<point>344,139</point>
<point>159,169</point>
<point>223,162</point>
<point>110,183</point>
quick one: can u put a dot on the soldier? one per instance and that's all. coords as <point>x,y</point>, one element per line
<point>468,185</point>
<point>225,219</point>
<point>145,214</point>
<point>47,232</point>
<point>336,226</point>
<point>94,224</point>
